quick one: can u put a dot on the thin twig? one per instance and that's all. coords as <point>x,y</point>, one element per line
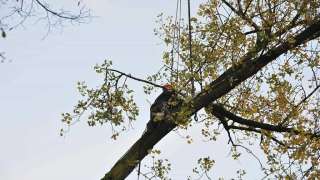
<point>135,78</point>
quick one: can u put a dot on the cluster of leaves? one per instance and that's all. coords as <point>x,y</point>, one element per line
<point>159,168</point>
<point>205,165</point>
<point>111,103</point>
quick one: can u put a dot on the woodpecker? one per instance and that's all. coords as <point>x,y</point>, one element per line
<point>160,107</point>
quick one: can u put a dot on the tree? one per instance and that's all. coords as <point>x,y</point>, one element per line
<point>254,73</point>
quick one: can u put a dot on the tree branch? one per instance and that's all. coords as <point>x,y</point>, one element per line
<point>242,15</point>
<point>138,151</point>
<point>60,15</point>
<point>219,111</point>
<point>250,129</point>
<point>135,78</point>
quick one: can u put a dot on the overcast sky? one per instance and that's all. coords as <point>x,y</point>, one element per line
<point>39,83</point>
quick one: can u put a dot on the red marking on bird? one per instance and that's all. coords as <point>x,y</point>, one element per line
<point>168,87</point>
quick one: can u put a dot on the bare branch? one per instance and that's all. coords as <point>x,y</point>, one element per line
<point>135,78</point>
<point>61,14</point>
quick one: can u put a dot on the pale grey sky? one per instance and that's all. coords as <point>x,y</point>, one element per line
<point>39,84</point>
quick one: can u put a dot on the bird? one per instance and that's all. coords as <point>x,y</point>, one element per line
<point>161,106</point>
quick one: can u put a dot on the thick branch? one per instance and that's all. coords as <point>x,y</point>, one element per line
<point>239,73</point>
<point>219,111</point>
<point>138,151</point>
<point>221,86</point>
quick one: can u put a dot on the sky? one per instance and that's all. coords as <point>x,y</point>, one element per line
<point>38,83</point>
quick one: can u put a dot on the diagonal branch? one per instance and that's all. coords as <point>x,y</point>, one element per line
<point>218,88</point>
<point>126,164</point>
<point>240,72</point>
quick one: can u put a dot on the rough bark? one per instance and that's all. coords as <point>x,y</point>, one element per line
<point>219,87</point>
<point>138,151</point>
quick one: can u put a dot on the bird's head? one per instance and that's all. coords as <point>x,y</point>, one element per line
<point>167,87</point>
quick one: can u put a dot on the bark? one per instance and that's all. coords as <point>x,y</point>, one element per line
<point>219,87</point>
<point>138,151</point>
